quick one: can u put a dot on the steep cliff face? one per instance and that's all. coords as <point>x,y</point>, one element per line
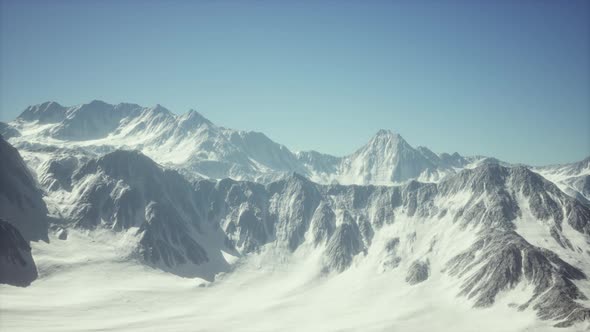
<point>498,262</point>
<point>126,191</point>
<point>492,205</point>
<point>21,202</point>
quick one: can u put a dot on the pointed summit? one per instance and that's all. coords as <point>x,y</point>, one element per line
<point>159,109</point>
<point>387,135</point>
<point>49,104</point>
<point>97,103</point>
<point>386,132</point>
<point>386,140</point>
<point>387,158</point>
<point>192,119</point>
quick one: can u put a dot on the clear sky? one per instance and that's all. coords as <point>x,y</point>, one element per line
<point>509,79</point>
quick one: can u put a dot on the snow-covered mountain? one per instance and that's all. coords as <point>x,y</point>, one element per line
<point>574,178</point>
<point>387,159</point>
<point>187,142</point>
<point>199,149</point>
<point>119,188</point>
<point>125,191</point>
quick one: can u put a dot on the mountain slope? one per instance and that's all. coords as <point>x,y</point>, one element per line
<point>386,159</point>
<point>413,229</point>
<point>125,191</point>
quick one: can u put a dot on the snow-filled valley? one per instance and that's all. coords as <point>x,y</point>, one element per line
<point>122,217</point>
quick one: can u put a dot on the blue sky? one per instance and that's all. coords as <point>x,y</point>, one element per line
<point>510,79</point>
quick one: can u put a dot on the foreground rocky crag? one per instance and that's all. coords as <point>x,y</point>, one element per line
<point>21,201</point>
<point>17,267</point>
<point>23,218</point>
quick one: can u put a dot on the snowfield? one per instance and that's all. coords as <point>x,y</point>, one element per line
<point>86,285</point>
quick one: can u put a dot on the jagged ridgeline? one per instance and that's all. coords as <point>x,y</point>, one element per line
<point>489,227</point>
<point>200,149</point>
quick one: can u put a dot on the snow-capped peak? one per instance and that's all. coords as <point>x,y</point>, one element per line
<point>192,119</point>
<point>387,133</point>
<point>387,141</point>
<point>198,148</point>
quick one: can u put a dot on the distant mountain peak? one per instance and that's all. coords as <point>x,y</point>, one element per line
<point>97,102</point>
<point>50,104</point>
<point>193,118</point>
<point>159,109</point>
<point>386,140</point>
<point>387,133</point>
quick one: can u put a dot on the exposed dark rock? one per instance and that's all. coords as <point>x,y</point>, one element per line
<point>322,224</point>
<point>17,267</point>
<point>62,234</point>
<point>418,272</point>
<point>343,246</point>
<point>58,173</point>
<point>166,239</point>
<point>391,259</point>
<point>21,202</point>
<point>501,260</point>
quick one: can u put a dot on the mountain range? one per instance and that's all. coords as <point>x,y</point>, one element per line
<point>200,149</point>
<point>182,195</point>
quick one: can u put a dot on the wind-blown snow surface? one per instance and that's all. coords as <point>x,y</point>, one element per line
<point>86,287</point>
<point>133,245</point>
